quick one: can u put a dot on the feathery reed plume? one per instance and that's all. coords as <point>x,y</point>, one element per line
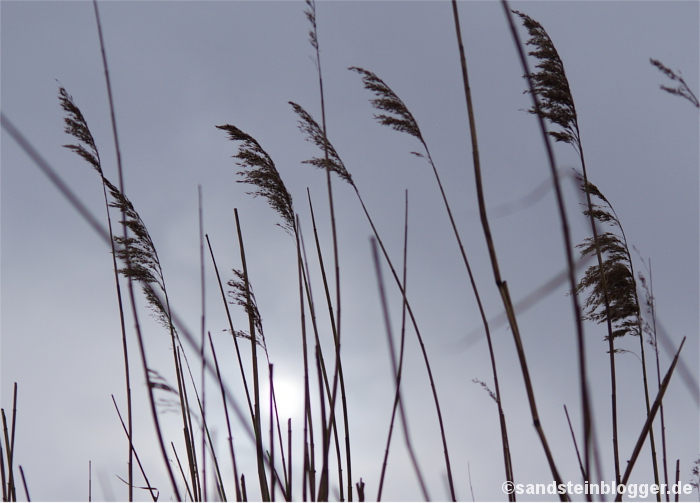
<point>259,170</point>
<point>76,125</point>
<point>553,102</point>
<point>315,135</point>
<point>682,89</point>
<point>239,296</point>
<point>695,476</point>
<point>623,310</point>
<point>616,285</point>
<point>402,120</point>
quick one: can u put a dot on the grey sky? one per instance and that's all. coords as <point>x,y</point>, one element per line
<point>180,68</point>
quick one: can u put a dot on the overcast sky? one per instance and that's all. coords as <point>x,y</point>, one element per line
<point>180,68</point>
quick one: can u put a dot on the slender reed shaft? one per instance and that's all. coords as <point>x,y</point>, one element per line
<point>501,284</point>
<point>309,456</point>
<point>3,479</point>
<point>233,333</point>
<point>650,419</point>
<point>182,472</point>
<point>228,420</point>
<point>475,153</point>
<point>272,436</point>
<point>397,373</point>
<point>203,344</point>
<point>130,282</point>
<point>154,496</point>
<point>339,368</point>
<point>573,437</point>
<point>288,489</point>
<point>337,374</point>
<point>418,335</point>
<point>24,483</point>
<point>256,384</point>
<point>652,309</point>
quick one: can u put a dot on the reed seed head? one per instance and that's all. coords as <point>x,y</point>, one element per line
<point>315,135</point>
<point>260,170</point>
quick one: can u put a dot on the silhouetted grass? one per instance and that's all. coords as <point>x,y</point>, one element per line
<point>608,287</point>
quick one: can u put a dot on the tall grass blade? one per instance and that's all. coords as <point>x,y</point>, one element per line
<point>233,332</point>
<point>228,421</point>
<point>397,372</point>
<point>24,483</point>
<point>561,103</point>
<point>264,490</point>
<point>127,256</point>
<point>650,419</point>
<point>313,39</point>
<point>154,496</point>
<point>477,168</point>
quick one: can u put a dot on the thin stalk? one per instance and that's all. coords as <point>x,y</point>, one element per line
<point>652,308</point>
<point>272,437</point>
<point>650,419</point>
<point>182,472</point>
<point>130,282</point>
<point>203,345</point>
<point>288,488</point>
<point>475,153</point>
<point>10,478</point>
<point>188,431</point>
<point>2,469</point>
<point>24,483</point>
<point>307,399</point>
<point>256,384</point>
<point>397,373</point>
<point>228,420</point>
<point>418,335</point>
<point>309,455</point>
<point>339,366</point>
<point>230,324</point>
<point>578,454</point>
<point>323,484</point>
<point>678,476</point>
<point>311,14</point>
<point>11,448</point>
<point>148,483</point>
<point>585,400</point>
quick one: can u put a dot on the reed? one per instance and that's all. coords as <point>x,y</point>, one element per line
<point>603,293</point>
